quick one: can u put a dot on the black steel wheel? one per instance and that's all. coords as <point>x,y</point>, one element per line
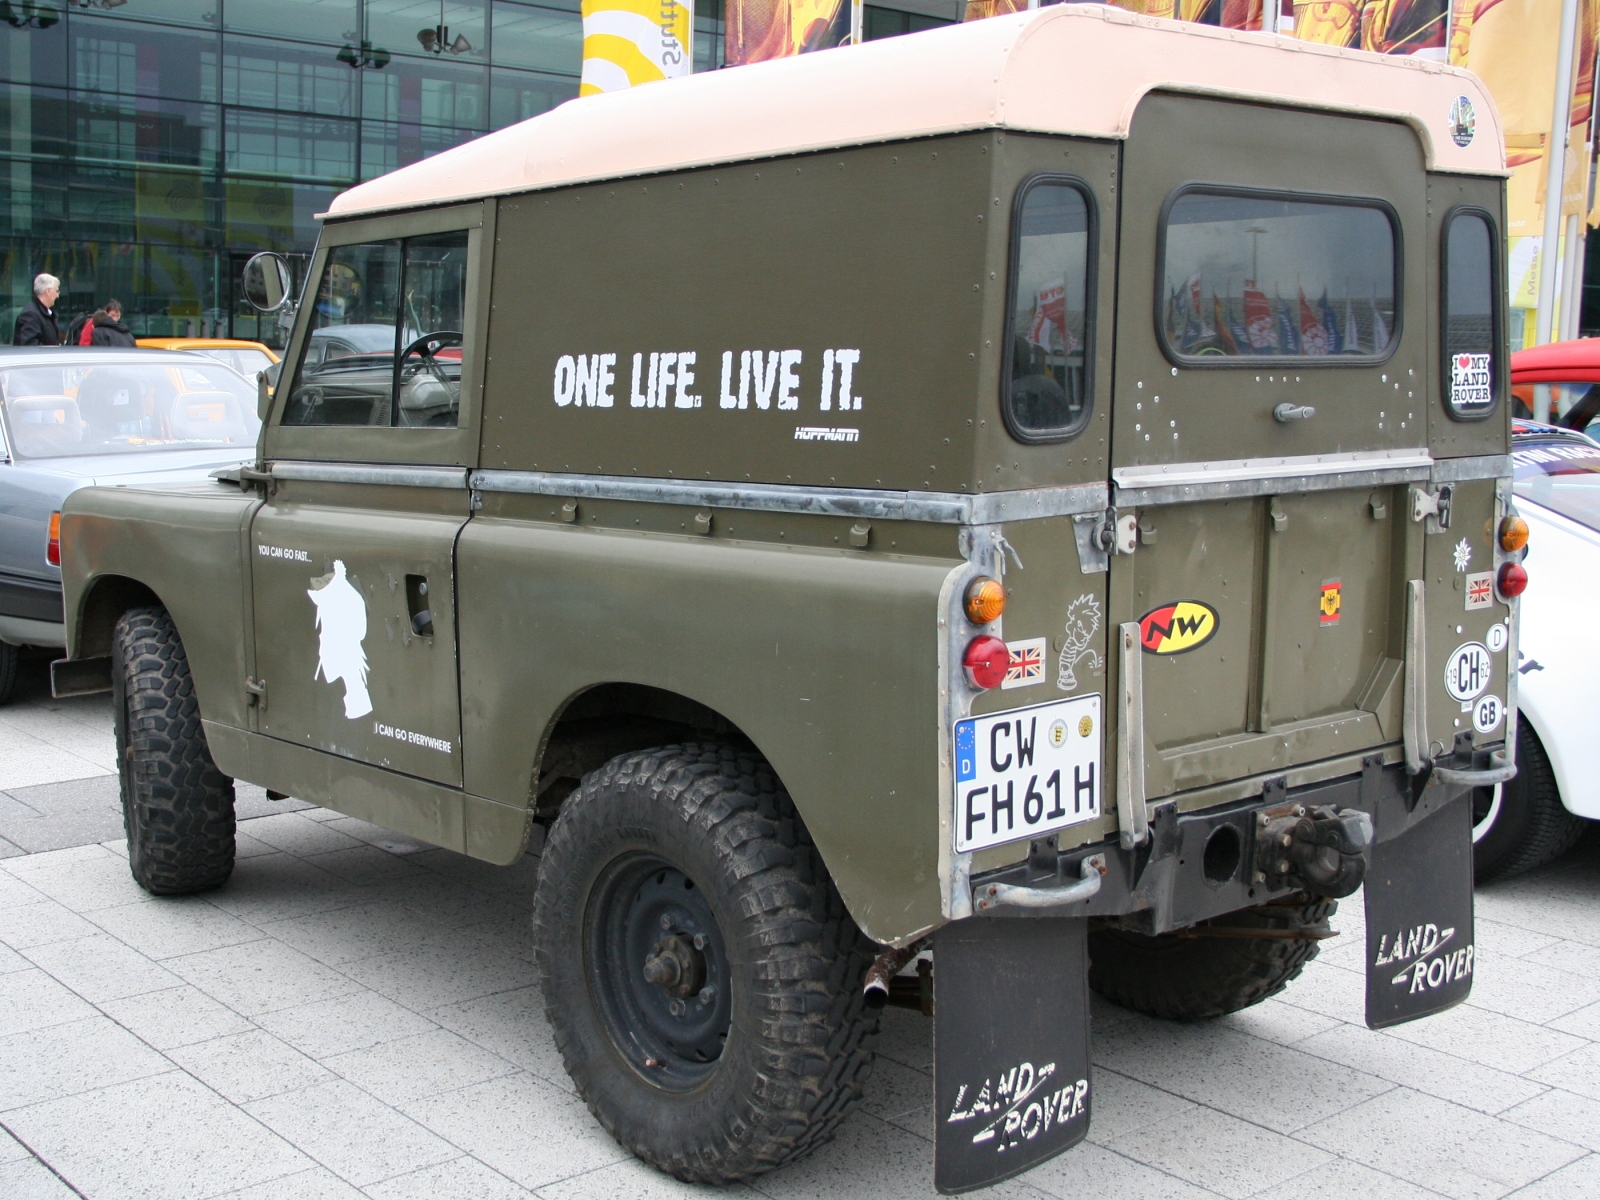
<point>658,970</point>
<point>700,972</point>
<point>1521,824</point>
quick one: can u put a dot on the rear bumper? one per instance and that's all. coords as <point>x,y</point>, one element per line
<point>1171,881</point>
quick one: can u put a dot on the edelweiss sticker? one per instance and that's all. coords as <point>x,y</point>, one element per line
<point>1083,623</point>
<point>1462,554</point>
<point>341,628</point>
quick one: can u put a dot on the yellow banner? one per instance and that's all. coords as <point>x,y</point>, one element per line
<point>628,42</point>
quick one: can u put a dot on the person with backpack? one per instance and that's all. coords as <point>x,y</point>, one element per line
<point>105,328</point>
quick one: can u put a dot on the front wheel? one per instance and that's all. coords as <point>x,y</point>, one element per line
<point>699,969</point>
<point>177,807</point>
<point>1521,824</point>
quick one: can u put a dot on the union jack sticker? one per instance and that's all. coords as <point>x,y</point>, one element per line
<point>1026,666</point>
<point>1480,590</point>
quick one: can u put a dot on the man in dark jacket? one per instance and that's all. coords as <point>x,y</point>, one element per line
<point>36,324</point>
<point>109,329</point>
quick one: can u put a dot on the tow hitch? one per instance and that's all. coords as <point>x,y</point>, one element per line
<point>1319,850</point>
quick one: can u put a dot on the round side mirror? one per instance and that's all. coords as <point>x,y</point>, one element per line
<point>266,282</point>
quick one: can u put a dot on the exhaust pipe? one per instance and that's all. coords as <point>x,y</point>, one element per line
<point>884,968</point>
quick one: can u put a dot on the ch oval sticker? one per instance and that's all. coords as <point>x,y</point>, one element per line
<point>1178,627</point>
<point>1468,671</point>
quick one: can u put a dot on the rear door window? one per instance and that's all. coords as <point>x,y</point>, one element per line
<point>1045,388</point>
<point>1252,275</point>
<point>1470,288</point>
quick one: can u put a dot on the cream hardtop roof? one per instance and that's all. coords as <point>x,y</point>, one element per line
<point>1067,69</point>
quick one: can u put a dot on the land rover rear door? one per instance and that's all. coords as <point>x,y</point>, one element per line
<point>1268,413</point>
<point>353,552</point>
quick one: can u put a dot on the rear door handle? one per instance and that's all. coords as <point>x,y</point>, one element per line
<point>1287,412</point>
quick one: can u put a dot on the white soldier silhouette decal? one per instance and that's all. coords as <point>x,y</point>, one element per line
<point>341,628</point>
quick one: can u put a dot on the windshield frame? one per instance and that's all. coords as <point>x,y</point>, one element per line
<point>1255,362</point>
<point>143,360</point>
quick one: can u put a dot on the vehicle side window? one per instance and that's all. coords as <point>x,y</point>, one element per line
<point>1044,389</point>
<point>1470,289</point>
<point>386,339</point>
<point>1251,275</point>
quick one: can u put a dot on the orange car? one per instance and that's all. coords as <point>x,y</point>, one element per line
<point>244,357</point>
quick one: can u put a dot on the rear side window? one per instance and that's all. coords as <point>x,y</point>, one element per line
<point>1045,386</point>
<point>1470,290</point>
<point>1251,275</point>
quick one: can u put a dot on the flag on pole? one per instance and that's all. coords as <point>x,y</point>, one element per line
<point>1313,336</point>
<point>1258,319</point>
<point>1380,331</point>
<point>628,42</point>
<point>1230,335</point>
<point>1050,311</point>
<point>1288,336</point>
<point>1352,331</point>
<point>758,30</point>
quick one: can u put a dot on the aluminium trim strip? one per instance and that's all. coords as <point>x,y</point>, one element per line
<point>944,508</point>
<point>1483,466</point>
<point>1177,483</point>
<point>381,475</point>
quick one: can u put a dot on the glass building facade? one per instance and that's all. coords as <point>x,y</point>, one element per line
<point>156,144</point>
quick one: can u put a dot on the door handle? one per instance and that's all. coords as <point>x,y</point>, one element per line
<point>1286,412</point>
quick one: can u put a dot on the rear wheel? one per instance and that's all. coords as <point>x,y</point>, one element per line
<point>10,657</point>
<point>1522,824</point>
<point>702,976</point>
<point>177,807</point>
<point>1210,969</point>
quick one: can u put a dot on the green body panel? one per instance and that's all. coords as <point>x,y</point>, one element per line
<point>186,544</point>
<point>898,251</point>
<point>826,660</point>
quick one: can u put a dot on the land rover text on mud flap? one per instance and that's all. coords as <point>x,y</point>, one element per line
<point>1025,496</point>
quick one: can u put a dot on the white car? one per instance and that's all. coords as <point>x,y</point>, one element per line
<point>1546,808</point>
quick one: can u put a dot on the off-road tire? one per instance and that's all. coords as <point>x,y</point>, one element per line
<point>10,659</point>
<point>177,807</point>
<point>799,1040</point>
<point>1193,974</point>
<point>1532,826</point>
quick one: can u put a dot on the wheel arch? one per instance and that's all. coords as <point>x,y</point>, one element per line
<point>105,599</point>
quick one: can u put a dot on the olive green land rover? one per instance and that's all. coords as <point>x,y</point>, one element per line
<point>959,522</point>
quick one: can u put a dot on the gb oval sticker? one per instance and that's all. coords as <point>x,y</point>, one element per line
<point>1178,627</point>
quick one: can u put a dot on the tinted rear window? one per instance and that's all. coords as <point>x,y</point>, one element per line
<point>1247,275</point>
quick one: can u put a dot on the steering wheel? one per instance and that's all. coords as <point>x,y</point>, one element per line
<point>427,346</point>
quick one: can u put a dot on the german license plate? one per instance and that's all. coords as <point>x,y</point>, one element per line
<point>1028,772</point>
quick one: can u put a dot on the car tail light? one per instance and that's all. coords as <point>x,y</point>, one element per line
<point>985,600</point>
<point>1513,534</point>
<point>1511,581</point>
<point>52,548</point>
<point>986,660</point>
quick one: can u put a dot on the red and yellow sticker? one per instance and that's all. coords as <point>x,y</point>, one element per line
<point>1329,601</point>
<point>1178,627</point>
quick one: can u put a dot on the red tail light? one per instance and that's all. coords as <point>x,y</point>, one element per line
<point>52,548</point>
<point>1511,580</point>
<point>986,660</point>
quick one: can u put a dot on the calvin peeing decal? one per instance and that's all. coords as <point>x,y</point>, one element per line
<point>341,628</point>
<point>1083,622</point>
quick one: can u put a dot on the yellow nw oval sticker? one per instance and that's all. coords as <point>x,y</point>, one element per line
<point>1178,627</point>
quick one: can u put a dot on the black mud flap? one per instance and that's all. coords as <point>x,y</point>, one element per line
<point>1010,1047</point>
<point>1419,918</point>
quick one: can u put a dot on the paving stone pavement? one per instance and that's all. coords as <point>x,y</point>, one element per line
<point>357,1014</point>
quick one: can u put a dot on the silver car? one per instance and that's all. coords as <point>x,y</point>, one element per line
<point>72,417</point>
